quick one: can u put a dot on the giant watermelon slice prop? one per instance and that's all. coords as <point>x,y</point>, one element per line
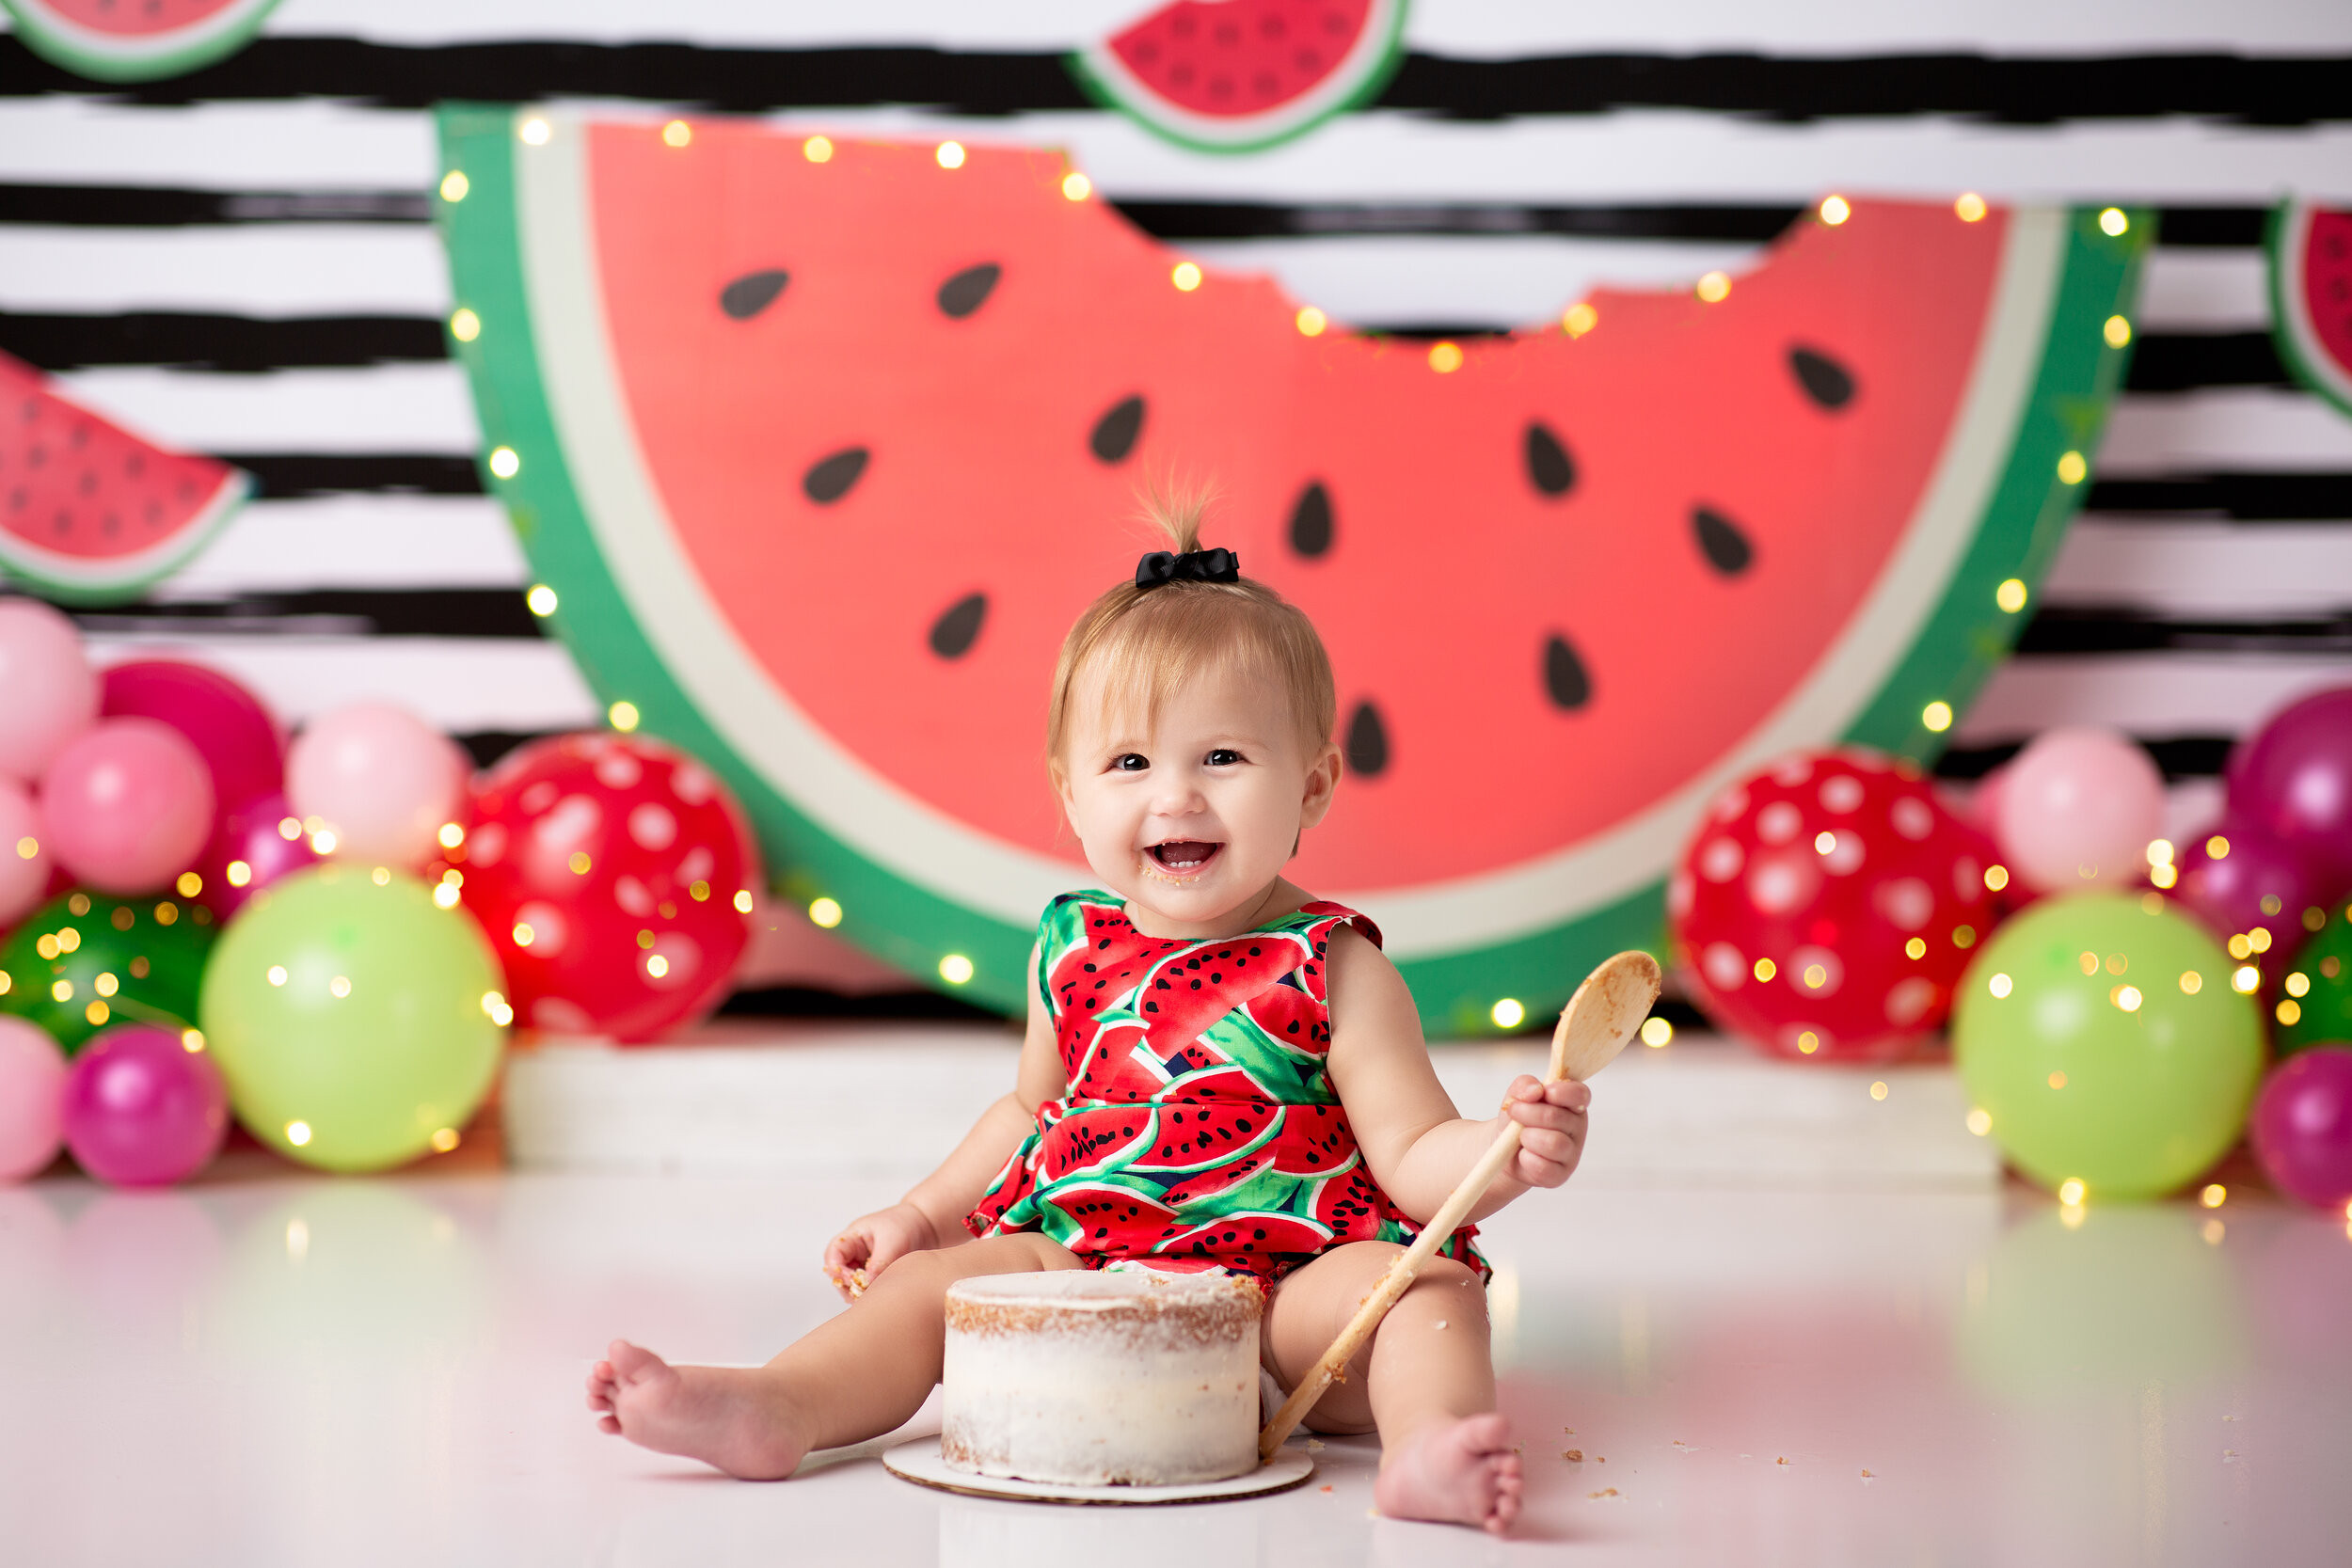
<point>1239,75</point>
<point>2311,296</point>
<point>822,458</point>
<point>90,513</point>
<point>136,40</point>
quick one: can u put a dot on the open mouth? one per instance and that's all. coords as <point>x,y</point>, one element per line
<point>1184,856</point>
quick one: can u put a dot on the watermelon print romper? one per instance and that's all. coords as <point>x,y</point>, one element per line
<point>1199,1129</point>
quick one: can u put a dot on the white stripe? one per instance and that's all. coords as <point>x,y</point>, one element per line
<point>459,684</point>
<point>1380,156</point>
<point>407,408</point>
<point>2224,427</point>
<point>2151,695</point>
<point>388,541</point>
<point>2185,290</point>
<point>2211,570</point>
<point>246,270</point>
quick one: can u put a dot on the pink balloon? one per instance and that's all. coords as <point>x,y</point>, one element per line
<point>143,1109</point>
<point>250,851</point>
<point>52,695</point>
<point>2302,1125</point>
<point>240,742</point>
<point>2294,775</point>
<point>127,805</point>
<point>383,780</point>
<point>32,1096</point>
<point>24,878</point>
<point>2078,809</point>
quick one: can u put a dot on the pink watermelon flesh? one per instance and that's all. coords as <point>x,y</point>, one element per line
<point>976,507</point>
<point>1243,56</point>
<point>2326,269</point>
<point>134,18</point>
<point>87,509</point>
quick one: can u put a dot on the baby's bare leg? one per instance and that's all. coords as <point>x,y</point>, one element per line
<point>1425,1381</point>
<point>855,1376</point>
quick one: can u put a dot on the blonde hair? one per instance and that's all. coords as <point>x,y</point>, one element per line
<point>1149,642</point>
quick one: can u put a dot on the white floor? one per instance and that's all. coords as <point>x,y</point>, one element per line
<point>269,1368</point>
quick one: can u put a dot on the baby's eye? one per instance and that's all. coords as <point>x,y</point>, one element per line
<point>1130,762</point>
<point>1224,756</point>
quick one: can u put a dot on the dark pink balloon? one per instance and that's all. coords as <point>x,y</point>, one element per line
<point>143,1109</point>
<point>2259,883</point>
<point>227,725</point>
<point>252,837</point>
<point>2302,1125</point>
<point>2294,777</point>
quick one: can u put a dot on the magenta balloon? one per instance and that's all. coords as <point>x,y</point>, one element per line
<point>2295,777</point>
<point>143,1109</point>
<point>2079,808</point>
<point>52,695</point>
<point>24,876</point>
<point>251,835</point>
<point>127,806</point>
<point>2302,1125</point>
<point>2259,882</point>
<point>227,725</point>
<point>382,778</point>
<point>32,1097</point>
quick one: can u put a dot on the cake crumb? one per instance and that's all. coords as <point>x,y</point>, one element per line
<point>1782,1461</point>
<point>1570,1431</point>
<point>1605,1492</point>
<point>1314,1444</point>
<point>1867,1476</point>
<point>1323,1489</point>
<point>1574,1456</point>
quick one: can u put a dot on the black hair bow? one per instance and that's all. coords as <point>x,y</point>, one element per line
<point>1161,566</point>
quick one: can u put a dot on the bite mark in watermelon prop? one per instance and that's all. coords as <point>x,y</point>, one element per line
<point>90,513</point>
<point>2311,296</point>
<point>136,40</point>
<point>822,459</point>
<point>1242,75</point>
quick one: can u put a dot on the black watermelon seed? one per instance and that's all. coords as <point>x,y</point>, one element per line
<point>1548,465</point>
<point>752,293</point>
<point>1367,741</point>
<point>1722,542</point>
<point>1564,678</point>
<point>969,289</point>
<point>1116,432</point>
<point>1311,520</point>
<point>959,627</point>
<point>1824,380</point>
<point>830,478</point>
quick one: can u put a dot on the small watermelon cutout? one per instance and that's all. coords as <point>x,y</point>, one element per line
<point>822,457</point>
<point>2311,296</point>
<point>1242,75</point>
<point>90,513</point>
<point>136,40</point>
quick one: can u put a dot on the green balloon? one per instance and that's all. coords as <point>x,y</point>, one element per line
<point>2323,1013</point>
<point>2102,1035</point>
<point>351,1016</point>
<point>84,962</point>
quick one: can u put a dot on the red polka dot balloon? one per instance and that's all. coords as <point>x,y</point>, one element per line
<point>614,878</point>
<point>1827,904</point>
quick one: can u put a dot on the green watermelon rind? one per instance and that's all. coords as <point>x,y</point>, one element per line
<point>2289,323</point>
<point>1098,73</point>
<point>2068,371</point>
<point>114,579</point>
<point>62,44</point>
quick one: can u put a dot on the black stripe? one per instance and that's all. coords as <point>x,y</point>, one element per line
<point>166,207</point>
<point>2178,757</point>
<point>808,1002</point>
<point>285,476</point>
<point>471,613</point>
<point>2184,361</point>
<point>210,342</point>
<point>2264,91</point>
<point>2069,630</point>
<point>488,746</point>
<point>2248,497</point>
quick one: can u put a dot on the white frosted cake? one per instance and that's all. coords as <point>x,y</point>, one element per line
<point>1075,1378</point>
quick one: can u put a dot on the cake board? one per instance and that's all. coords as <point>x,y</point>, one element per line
<point>921,1462</point>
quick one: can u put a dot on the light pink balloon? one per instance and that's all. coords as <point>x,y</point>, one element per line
<point>381,777</point>
<point>32,1098</point>
<point>128,806</point>
<point>23,877</point>
<point>2079,808</point>
<point>51,692</point>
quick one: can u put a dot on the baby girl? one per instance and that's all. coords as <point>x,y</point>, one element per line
<point>1190,741</point>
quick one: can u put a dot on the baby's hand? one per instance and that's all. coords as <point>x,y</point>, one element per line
<point>868,1245</point>
<point>1552,1128</point>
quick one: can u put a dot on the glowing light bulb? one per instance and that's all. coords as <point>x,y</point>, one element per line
<point>743,901</point>
<point>2298,984</point>
<point>2125,997</point>
<point>278,975</point>
<point>323,842</point>
<point>290,827</point>
<point>189,884</point>
<point>955,969</point>
<point>1878,1091</point>
<point>106,985</point>
<point>950,154</point>
<point>2072,468</point>
<point>1657,1031</point>
<point>541,599</point>
<point>1995,878</point>
<point>1186,275</point>
<point>656,965</point>
<point>577,860</point>
<point>1970,206</point>
<point>2290,1012</point>
<point>97,1013</point>
<point>2072,1191</point>
<point>1578,319</point>
<point>1980,1122</point>
<point>2246,979</point>
<point>2216,847</point>
<point>1916,948</point>
<point>1937,716</point>
<point>825,913</point>
<point>2191,982</point>
<point>2213,1194</point>
<point>2113,224</point>
<point>817,149</point>
<point>1076,186</point>
<point>297,1133</point>
<point>677,134</point>
<point>2011,595</point>
<point>1999,984</point>
<point>445,895</point>
<point>1765,969</point>
<point>1808,1042</point>
<point>505,463</point>
<point>1835,210</point>
<point>2057,1080</point>
<point>534,131</point>
<point>1715,287</point>
<point>28,847</point>
<point>2116,332</point>
<point>1445,357</point>
<point>621,715</point>
<point>523,934</point>
<point>444,1139</point>
<point>191,1041</point>
<point>1311,321</point>
<point>464,324</point>
<point>1507,1013</point>
<point>340,987</point>
<point>455,185</point>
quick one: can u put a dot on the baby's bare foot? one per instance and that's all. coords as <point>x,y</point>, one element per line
<point>1461,1472</point>
<point>730,1417</point>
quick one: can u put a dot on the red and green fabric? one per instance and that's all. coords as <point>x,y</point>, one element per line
<point>136,40</point>
<point>90,513</point>
<point>1199,1129</point>
<point>2311,296</point>
<point>823,457</point>
<point>1242,75</point>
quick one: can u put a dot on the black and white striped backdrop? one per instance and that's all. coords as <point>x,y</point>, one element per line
<point>239,261</point>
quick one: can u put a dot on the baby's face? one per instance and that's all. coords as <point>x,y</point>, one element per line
<point>1194,820</point>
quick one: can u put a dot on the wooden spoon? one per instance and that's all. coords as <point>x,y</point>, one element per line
<point>1597,1024</point>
